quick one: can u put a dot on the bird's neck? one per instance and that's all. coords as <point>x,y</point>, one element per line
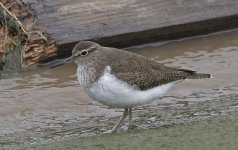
<point>88,73</point>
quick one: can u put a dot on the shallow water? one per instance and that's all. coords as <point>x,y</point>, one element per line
<point>42,104</point>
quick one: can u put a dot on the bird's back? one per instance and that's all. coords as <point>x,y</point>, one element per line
<point>145,73</point>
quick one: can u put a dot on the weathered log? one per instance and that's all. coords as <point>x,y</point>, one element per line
<point>118,23</point>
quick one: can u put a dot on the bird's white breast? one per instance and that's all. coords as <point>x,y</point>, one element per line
<point>113,92</point>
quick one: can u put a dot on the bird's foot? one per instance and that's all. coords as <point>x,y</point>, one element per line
<point>109,131</point>
<point>113,130</point>
<point>132,126</point>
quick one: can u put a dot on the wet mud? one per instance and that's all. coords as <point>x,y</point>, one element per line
<point>41,105</point>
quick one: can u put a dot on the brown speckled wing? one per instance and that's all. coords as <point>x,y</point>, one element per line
<point>144,73</point>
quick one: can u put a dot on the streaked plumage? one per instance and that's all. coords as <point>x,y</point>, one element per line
<point>122,79</point>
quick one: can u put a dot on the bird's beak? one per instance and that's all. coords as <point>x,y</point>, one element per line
<point>69,59</point>
<point>62,62</point>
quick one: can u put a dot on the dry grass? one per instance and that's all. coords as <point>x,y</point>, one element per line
<point>22,42</point>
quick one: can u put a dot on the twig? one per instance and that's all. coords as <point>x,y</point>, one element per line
<point>13,16</point>
<point>39,33</point>
<point>5,34</point>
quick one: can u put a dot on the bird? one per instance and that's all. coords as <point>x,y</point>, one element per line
<point>123,79</point>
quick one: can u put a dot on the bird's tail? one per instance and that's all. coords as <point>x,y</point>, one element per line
<point>194,75</point>
<point>199,76</point>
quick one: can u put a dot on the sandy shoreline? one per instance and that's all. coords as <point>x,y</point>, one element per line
<point>218,132</point>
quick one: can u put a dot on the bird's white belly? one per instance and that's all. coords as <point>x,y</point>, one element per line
<point>113,92</point>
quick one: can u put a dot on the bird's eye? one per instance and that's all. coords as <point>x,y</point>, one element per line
<point>84,53</point>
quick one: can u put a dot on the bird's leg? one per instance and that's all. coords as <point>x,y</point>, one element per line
<point>125,113</point>
<point>131,125</point>
<point>130,116</point>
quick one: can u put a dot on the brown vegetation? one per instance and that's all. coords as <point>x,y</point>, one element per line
<point>20,34</point>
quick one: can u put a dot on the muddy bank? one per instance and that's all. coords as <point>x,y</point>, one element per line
<point>44,105</point>
<point>215,133</point>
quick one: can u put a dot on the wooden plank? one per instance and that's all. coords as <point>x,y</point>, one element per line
<point>77,20</point>
<point>127,22</point>
<point>130,22</point>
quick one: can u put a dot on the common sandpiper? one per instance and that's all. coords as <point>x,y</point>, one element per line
<point>122,79</point>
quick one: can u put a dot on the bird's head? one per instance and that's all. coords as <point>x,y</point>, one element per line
<point>84,49</point>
